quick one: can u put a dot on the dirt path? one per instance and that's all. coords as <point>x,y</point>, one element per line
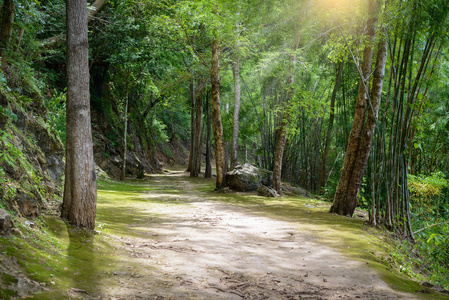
<point>188,246</point>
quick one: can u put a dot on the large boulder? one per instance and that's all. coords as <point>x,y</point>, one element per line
<point>247,177</point>
<point>5,221</point>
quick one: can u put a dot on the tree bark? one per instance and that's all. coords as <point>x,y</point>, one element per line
<point>7,20</point>
<point>359,144</point>
<point>196,143</point>
<point>235,127</point>
<point>279,153</point>
<point>80,189</point>
<point>323,173</point>
<point>216,115</point>
<point>208,172</point>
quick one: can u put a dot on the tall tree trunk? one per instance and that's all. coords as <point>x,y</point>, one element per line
<point>323,172</point>
<point>365,145</point>
<point>216,114</point>
<point>208,172</point>
<point>282,132</point>
<point>125,135</point>
<point>196,143</point>
<point>192,123</point>
<point>7,20</point>
<point>235,127</point>
<point>80,189</point>
<point>359,144</point>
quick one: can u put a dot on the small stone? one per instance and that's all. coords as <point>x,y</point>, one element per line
<point>29,224</point>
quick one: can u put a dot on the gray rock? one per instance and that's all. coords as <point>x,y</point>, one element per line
<point>28,205</point>
<point>296,191</point>
<point>248,178</point>
<point>52,148</point>
<point>266,191</point>
<point>100,173</point>
<point>5,222</point>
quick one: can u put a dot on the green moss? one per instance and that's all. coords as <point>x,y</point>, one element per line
<point>61,256</point>
<point>7,294</point>
<point>8,279</point>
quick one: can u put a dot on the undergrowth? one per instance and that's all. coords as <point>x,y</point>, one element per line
<point>427,258</point>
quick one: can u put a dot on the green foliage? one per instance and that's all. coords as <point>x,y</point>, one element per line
<point>8,156</point>
<point>8,190</point>
<point>437,245</point>
<point>428,196</point>
<point>56,117</point>
<point>430,213</point>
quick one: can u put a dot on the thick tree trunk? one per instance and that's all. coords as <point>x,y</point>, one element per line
<point>216,115</point>
<point>359,144</point>
<point>208,172</point>
<point>365,145</point>
<point>80,189</point>
<point>7,20</point>
<point>235,128</point>
<point>323,172</point>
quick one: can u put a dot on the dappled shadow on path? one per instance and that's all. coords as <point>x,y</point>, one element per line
<point>182,241</point>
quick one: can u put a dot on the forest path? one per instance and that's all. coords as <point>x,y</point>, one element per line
<point>175,239</point>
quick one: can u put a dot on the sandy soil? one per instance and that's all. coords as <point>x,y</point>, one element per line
<point>203,249</point>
